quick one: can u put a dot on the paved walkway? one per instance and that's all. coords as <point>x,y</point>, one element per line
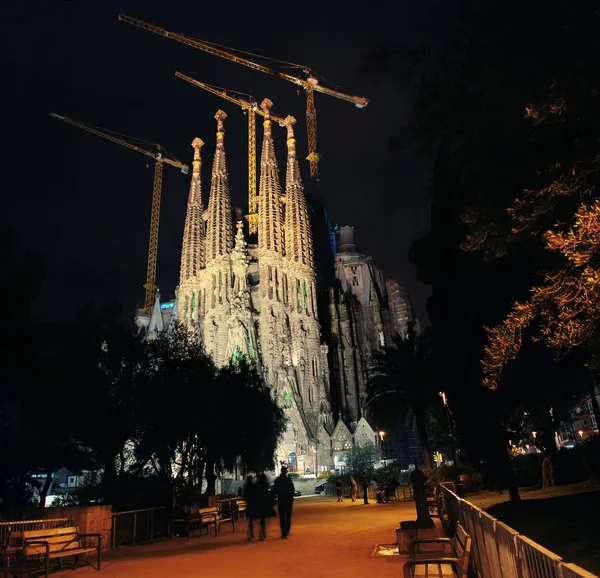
<point>327,539</point>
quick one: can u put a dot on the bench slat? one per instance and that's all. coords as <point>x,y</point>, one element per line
<point>71,552</point>
<point>36,549</point>
<point>37,534</point>
<point>55,539</point>
<point>434,571</point>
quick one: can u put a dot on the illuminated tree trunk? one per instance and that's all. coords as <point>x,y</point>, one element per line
<point>46,488</point>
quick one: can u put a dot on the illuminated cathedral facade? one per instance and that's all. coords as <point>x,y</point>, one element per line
<point>259,302</point>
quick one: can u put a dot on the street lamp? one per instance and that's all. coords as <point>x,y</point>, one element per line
<point>450,434</point>
<point>382,435</point>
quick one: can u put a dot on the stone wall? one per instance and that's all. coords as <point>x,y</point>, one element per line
<point>90,519</point>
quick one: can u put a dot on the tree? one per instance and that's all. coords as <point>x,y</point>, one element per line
<point>254,425</point>
<point>473,90</point>
<point>195,421</point>
<point>402,383</point>
<point>362,457</point>
<point>552,209</point>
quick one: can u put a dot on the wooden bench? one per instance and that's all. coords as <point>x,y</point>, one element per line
<point>452,561</point>
<point>242,508</point>
<point>39,547</point>
<point>191,524</point>
<point>11,549</point>
<point>433,500</point>
<point>227,512</point>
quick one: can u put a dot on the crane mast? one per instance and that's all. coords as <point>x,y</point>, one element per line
<point>311,85</point>
<point>250,106</point>
<point>150,284</point>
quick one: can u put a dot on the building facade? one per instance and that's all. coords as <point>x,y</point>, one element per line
<point>259,302</point>
<point>364,320</point>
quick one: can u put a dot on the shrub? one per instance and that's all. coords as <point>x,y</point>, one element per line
<point>474,483</point>
<point>589,455</point>
<point>64,499</point>
<point>528,469</point>
<point>293,475</point>
<point>569,466</point>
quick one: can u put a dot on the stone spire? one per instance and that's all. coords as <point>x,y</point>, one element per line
<point>192,252</point>
<point>219,233</point>
<point>269,208</point>
<point>298,236</point>
<point>239,261</point>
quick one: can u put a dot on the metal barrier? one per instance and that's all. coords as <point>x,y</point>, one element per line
<point>10,537</point>
<point>498,551</point>
<point>136,526</point>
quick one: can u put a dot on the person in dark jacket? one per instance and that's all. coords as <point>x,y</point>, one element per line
<point>365,486</point>
<point>283,488</point>
<point>265,507</point>
<point>339,488</point>
<point>251,497</point>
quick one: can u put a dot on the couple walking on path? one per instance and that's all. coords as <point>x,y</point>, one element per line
<point>260,500</point>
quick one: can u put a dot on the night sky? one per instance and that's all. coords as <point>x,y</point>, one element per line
<point>84,203</point>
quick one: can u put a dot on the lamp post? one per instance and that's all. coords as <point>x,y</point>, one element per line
<point>451,434</point>
<point>382,435</point>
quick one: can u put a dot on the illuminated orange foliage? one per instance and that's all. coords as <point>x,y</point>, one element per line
<point>566,303</point>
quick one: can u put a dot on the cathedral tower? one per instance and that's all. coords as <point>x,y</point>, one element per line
<point>192,252</point>
<point>307,355</point>
<point>274,324</point>
<point>219,243</point>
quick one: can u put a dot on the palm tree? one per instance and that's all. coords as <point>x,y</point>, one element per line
<point>402,386</point>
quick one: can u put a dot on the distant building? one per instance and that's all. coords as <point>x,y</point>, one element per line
<point>364,319</point>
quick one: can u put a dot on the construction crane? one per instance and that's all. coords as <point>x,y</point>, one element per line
<point>250,106</point>
<point>310,85</point>
<point>150,284</point>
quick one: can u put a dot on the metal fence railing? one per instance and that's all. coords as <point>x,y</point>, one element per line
<point>136,526</point>
<point>10,532</point>
<point>498,551</point>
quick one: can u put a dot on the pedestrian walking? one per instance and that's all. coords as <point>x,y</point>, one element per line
<point>365,487</point>
<point>547,473</point>
<point>251,497</point>
<point>354,490</point>
<point>339,488</point>
<point>265,507</point>
<point>283,488</point>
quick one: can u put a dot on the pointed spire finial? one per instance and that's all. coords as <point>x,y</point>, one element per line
<point>266,105</point>
<point>239,225</point>
<point>290,121</point>
<point>197,143</point>
<point>220,116</point>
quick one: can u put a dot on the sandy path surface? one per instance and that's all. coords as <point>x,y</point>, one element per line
<point>327,539</point>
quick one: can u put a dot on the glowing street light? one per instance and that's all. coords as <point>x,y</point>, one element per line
<point>450,434</point>
<point>381,436</point>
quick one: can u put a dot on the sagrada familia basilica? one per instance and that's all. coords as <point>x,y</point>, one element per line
<point>259,301</point>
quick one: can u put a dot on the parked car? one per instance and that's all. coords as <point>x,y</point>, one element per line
<point>297,493</point>
<point>320,489</point>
